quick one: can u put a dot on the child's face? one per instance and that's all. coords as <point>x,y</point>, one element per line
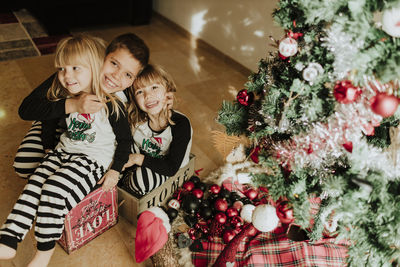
<point>119,71</point>
<point>75,78</point>
<point>151,99</point>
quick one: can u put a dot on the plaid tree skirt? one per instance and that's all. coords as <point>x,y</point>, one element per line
<point>275,249</point>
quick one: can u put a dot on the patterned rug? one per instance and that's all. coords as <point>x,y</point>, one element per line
<point>22,35</point>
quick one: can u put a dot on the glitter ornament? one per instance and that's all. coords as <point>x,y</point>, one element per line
<point>288,47</point>
<point>391,21</point>
<point>384,104</point>
<point>312,72</point>
<point>345,92</point>
<point>245,98</point>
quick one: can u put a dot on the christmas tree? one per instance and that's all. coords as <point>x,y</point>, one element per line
<point>321,114</point>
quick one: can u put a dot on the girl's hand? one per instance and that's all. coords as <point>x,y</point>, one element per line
<point>134,159</point>
<point>83,103</point>
<point>109,180</point>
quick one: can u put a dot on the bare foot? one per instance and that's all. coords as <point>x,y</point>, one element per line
<point>41,258</point>
<point>6,252</point>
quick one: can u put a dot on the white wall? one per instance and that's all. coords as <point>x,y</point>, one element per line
<point>237,28</point>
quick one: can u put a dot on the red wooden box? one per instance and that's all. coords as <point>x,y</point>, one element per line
<point>96,213</point>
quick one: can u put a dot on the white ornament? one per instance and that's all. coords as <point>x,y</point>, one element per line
<point>247,212</point>
<point>288,47</point>
<point>312,71</point>
<point>391,21</point>
<point>264,218</point>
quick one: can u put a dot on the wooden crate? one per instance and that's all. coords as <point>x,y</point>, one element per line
<point>131,205</point>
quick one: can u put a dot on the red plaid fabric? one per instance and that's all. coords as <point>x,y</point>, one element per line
<point>271,249</point>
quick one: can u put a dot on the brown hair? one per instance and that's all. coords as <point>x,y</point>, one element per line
<point>151,74</point>
<point>134,44</point>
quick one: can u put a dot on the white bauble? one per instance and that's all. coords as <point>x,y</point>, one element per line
<point>264,218</point>
<point>288,47</point>
<point>247,212</point>
<point>391,21</point>
<point>312,72</point>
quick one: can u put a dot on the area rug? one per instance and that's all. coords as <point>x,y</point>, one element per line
<point>22,35</point>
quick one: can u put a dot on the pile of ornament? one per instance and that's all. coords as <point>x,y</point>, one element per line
<point>212,211</point>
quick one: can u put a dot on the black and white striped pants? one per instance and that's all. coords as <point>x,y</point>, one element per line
<point>30,152</point>
<point>60,182</point>
<point>141,180</point>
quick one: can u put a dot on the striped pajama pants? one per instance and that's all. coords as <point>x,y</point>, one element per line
<point>137,180</point>
<point>60,182</point>
<point>30,152</point>
<point>141,180</point>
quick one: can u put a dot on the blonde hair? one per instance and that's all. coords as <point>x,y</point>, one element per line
<point>85,50</point>
<point>151,74</point>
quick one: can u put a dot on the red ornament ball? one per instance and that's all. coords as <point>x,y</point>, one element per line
<point>251,193</point>
<point>345,92</point>
<point>284,212</point>
<point>245,98</point>
<point>221,204</point>
<point>232,212</point>
<point>215,189</point>
<point>197,193</point>
<point>188,185</point>
<point>228,235</point>
<point>238,205</point>
<point>220,217</point>
<point>384,104</point>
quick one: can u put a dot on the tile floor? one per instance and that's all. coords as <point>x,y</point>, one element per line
<point>204,80</point>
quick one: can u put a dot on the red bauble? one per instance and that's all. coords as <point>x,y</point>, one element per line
<point>245,98</point>
<point>231,212</point>
<point>284,212</point>
<point>228,235</point>
<point>251,193</point>
<point>348,146</point>
<point>188,185</point>
<point>221,204</point>
<point>197,193</point>
<point>345,92</point>
<point>236,222</point>
<point>384,104</point>
<point>220,217</point>
<point>238,205</point>
<point>215,189</point>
